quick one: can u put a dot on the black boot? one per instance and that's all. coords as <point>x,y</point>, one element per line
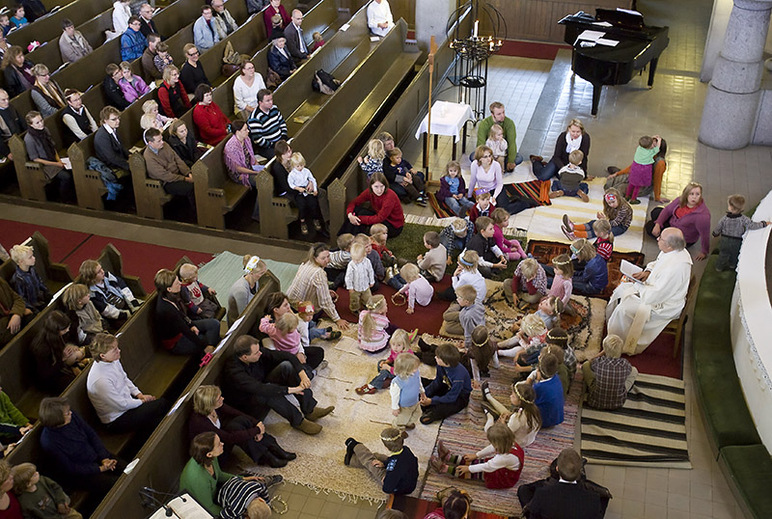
<point>280,453</point>
<point>272,461</point>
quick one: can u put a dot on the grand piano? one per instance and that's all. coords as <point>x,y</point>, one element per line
<point>601,65</point>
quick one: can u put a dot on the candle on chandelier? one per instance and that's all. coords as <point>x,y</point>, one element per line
<point>476,24</point>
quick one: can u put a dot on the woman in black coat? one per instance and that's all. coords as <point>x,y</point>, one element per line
<point>573,138</point>
<point>184,143</point>
<point>279,58</point>
<point>17,71</point>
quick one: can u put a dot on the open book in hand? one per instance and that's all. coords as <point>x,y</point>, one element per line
<point>628,269</point>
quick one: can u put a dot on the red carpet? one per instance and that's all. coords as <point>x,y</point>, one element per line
<point>60,242</point>
<point>428,319</point>
<point>658,359</point>
<point>530,49</point>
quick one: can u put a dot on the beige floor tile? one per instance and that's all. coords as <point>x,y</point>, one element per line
<point>678,502</point>
<point>677,514</point>
<point>633,510</point>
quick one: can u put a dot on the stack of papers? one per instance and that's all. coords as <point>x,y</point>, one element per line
<point>594,37</point>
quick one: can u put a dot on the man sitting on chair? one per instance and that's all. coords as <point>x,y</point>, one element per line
<point>638,312</point>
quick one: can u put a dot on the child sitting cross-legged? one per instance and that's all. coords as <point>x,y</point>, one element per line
<point>608,377</point>
<point>511,248</point>
<point>406,391</point>
<point>524,421</point>
<point>399,343</point>
<point>449,392</point>
<point>194,293</point>
<point>491,257</point>
<point>461,318</point>
<point>559,337</point>
<point>398,472</point>
<point>373,325</point>
<point>456,236</point>
<point>413,285</point>
<point>528,283</point>
<point>498,465</point>
<point>594,278</point>
<point>570,179</point>
<point>434,262</point>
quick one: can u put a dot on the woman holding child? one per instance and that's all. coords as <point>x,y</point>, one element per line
<point>488,177</point>
<point>689,214</point>
<point>378,204</point>
<point>574,138</point>
<point>310,283</point>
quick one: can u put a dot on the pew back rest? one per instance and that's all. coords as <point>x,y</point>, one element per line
<point>76,11</point>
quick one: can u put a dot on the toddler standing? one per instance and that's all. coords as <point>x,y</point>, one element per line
<point>399,343</point>
<point>373,323</point>
<point>306,198</point>
<point>339,260</point>
<point>498,465</point>
<point>194,293</point>
<point>562,284</point>
<point>642,166</point>
<point>731,227</point>
<point>359,278</point>
<point>406,391</point>
<point>498,145</point>
<point>453,190</point>
<point>511,248</point>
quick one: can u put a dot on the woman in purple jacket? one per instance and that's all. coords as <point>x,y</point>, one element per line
<point>688,213</point>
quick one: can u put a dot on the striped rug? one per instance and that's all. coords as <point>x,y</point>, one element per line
<point>648,431</point>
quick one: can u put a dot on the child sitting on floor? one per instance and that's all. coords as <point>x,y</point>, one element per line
<point>481,352</point>
<point>413,286</point>
<point>615,209</point>
<point>449,392</point>
<point>286,337</point>
<point>399,343</point>
<point>559,337</point>
<point>731,227</point>
<point>406,391</point>
<point>491,257</point>
<point>570,179</point>
<point>498,465</point>
<point>562,373</point>
<point>524,422</point>
<point>511,248</point>
<point>453,190</point>
<point>359,278</point>
<point>594,278</point>
<point>434,262</point>
<point>526,344</point>
<point>607,376</point>
<point>549,391</point>
<point>339,260</point>
<point>194,294</point>
<point>529,283</point>
<point>604,243</point>
<point>483,207</point>
<point>373,323</point>
<point>379,233</point>
<point>465,313</point>
<point>307,326</point>
<point>456,236</point>
<point>398,472</point>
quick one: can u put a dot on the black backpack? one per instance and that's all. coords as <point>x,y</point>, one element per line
<point>324,82</point>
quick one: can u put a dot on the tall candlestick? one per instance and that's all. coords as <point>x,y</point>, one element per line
<point>476,23</point>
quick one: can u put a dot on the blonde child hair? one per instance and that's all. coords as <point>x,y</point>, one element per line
<point>483,196</point>
<point>345,240</point>
<point>377,304</point>
<point>459,225</point>
<point>102,343</point>
<point>405,365</point>
<point>22,475</point>
<point>467,293</point>
<point>409,272</point>
<point>529,268</point>
<point>362,238</point>
<point>563,264</point>
<point>532,325</point>
<point>20,252</point>
<point>500,437</point>
<point>611,212</point>
<point>357,252</point>
<point>612,346</point>
<point>287,323</point>
<point>583,249</point>
<point>375,149</point>
<point>602,226</point>
<point>400,339</point>
<point>500,216</point>
<point>188,272</point>
<point>555,304</point>
<point>453,164</point>
<point>495,130</point>
<point>259,509</point>
<point>247,257</point>
<point>297,160</point>
<point>576,157</point>
<point>379,233</point>
<point>73,294</point>
<point>469,260</point>
<point>527,396</point>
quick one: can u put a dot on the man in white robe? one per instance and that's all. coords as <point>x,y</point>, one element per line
<point>379,18</point>
<point>638,312</point>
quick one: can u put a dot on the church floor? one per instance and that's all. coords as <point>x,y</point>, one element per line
<point>672,109</point>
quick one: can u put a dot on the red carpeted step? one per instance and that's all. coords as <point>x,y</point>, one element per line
<point>658,359</point>
<point>60,242</point>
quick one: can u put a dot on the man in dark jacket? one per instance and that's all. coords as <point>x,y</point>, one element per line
<point>107,145</point>
<point>113,90</point>
<point>11,123</point>
<point>256,380</point>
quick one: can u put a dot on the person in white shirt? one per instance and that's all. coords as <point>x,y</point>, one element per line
<point>245,88</point>
<point>121,15</point>
<point>120,405</point>
<point>379,18</point>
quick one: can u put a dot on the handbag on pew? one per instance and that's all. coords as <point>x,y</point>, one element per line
<point>324,82</point>
<point>232,60</point>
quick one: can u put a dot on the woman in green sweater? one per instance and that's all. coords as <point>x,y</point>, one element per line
<point>202,475</point>
<point>13,424</point>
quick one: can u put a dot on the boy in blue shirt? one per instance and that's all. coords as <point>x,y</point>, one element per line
<point>449,392</point>
<point>549,390</point>
<point>398,472</point>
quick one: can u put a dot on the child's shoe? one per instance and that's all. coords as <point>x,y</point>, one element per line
<point>350,444</point>
<point>583,196</point>
<point>568,223</point>
<point>568,234</point>
<point>442,451</point>
<point>489,409</point>
<point>304,228</point>
<point>412,335</point>
<point>317,225</point>
<point>556,194</point>
<point>367,389</point>
<point>634,201</point>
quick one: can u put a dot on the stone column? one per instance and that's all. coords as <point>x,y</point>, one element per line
<point>430,19</point>
<point>729,114</point>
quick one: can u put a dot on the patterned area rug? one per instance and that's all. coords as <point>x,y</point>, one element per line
<point>544,251</point>
<point>440,209</point>
<point>648,431</point>
<point>320,458</point>
<point>536,190</point>
<point>585,328</point>
<point>463,433</point>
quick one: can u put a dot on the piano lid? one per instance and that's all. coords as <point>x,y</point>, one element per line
<point>622,18</point>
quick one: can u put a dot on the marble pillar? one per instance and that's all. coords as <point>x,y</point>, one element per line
<point>732,103</point>
<point>431,17</point>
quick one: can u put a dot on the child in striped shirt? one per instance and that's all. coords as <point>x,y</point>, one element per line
<point>359,278</point>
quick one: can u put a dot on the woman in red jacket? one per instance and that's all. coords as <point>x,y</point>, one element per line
<point>211,122</point>
<point>171,94</point>
<point>378,204</point>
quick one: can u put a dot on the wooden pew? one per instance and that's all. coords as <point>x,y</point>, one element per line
<point>161,459</point>
<point>52,23</point>
<point>401,121</point>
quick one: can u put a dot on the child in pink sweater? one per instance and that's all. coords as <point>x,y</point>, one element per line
<point>511,248</point>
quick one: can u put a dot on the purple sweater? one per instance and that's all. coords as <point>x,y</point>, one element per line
<point>695,225</point>
<point>444,191</point>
